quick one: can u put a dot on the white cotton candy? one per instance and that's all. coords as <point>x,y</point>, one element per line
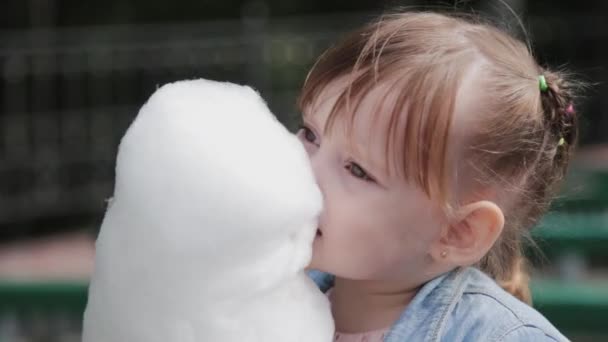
<point>211,224</point>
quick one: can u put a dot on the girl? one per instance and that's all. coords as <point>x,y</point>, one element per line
<point>437,143</point>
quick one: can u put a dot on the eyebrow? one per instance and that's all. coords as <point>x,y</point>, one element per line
<point>376,169</point>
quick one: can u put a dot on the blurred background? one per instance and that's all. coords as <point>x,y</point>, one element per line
<point>73,74</point>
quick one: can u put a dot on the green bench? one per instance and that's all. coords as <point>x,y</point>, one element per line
<point>580,232</point>
<point>50,312</point>
<point>583,191</point>
<point>573,308</point>
<point>576,228</point>
<point>572,237</point>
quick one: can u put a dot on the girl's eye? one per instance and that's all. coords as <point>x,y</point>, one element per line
<point>357,171</point>
<point>308,134</point>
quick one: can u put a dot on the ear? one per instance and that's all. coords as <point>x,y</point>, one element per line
<point>470,235</point>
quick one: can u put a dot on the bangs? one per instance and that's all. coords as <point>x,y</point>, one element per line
<point>419,100</point>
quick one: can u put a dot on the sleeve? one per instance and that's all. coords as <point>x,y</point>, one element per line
<point>323,280</point>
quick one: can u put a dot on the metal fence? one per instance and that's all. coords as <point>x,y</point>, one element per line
<point>67,96</point>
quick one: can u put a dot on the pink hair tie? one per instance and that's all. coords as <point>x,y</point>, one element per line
<point>570,109</point>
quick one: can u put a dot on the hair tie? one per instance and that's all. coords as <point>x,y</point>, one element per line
<point>570,109</point>
<point>542,83</point>
<point>561,142</point>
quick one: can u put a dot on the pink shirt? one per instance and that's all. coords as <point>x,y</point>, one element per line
<point>368,336</point>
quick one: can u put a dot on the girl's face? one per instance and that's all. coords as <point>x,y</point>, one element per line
<point>374,225</point>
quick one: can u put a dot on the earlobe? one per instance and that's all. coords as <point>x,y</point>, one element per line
<point>472,233</point>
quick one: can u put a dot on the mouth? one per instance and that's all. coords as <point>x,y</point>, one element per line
<point>319,232</point>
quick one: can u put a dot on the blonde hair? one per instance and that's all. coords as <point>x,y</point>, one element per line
<point>515,148</point>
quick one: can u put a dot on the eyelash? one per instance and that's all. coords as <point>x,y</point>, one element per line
<point>303,128</point>
<point>362,175</point>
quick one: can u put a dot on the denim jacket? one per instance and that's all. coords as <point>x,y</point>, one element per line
<point>464,305</point>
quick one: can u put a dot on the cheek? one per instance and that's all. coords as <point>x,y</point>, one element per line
<point>369,237</point>
<point>393,234</point>
<point>345,221</point>
<point>417,225</point>
<point>400,234</point>
<point>360,228</point>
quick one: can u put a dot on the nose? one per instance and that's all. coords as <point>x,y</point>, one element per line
<point>320,171</point>
<point>319,163</point>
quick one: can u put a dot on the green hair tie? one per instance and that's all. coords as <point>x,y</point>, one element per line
<point>561,142</point>
<point>542,83</point>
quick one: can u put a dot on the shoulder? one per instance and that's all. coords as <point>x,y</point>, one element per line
<point>485,311</point>
<point>528,333</point>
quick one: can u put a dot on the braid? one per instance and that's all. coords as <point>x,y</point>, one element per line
<point>558,108</point>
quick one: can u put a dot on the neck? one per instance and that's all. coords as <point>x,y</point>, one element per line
<point>363,305</point>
